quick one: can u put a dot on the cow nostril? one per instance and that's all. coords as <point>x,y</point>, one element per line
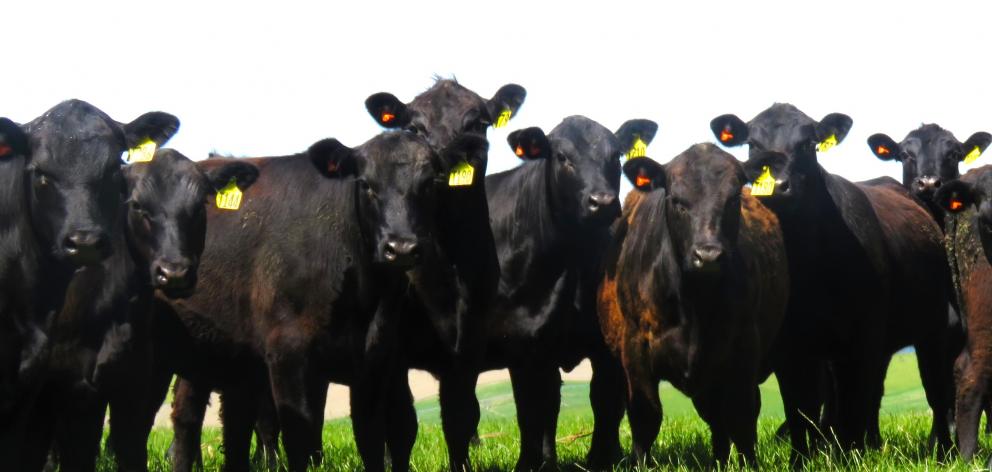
<point>705,255</point>
<point>400,248</point>
<point>599,200</point>
<point>161,276</point>
<point>784,186</point>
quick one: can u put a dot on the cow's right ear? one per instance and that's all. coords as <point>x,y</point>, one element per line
<point>955,196</point>
<point>884,147</point>
<point>13,141</point>
<point>333,159</point>
<point>729,130</point>
<point>387,110</point>
<point>530,143</point>
<point>243,173</point>
<point>644,173</point>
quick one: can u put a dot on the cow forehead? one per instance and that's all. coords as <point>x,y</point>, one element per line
<point>446,96</point>
<point>929,137</point>
<point>581,136</point>
<point>705,170</point>
<point>781,121</point>
<point>396,149</point>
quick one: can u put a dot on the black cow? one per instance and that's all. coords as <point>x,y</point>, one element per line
<point>304,285</point>
<point>63,180</point>
<point>968,203</point>
<point>866,271</point>
<point>930,156</point>
<point>695,292</point>
<point>551,217</point>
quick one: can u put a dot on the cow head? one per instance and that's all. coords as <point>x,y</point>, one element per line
<point>166,214</point>
<point>929,156</point>
<point>583,164</point>
<point>783,141</point>
<point>397,177</point>
<point>974,189</point>
<point>75,184</point>
<point>702,204</point>
<point>446,111</point>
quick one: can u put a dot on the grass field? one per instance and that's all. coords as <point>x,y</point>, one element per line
<point>682,445</point>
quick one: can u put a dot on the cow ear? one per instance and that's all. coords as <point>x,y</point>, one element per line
<point>530,143</point>
<point>884,147</point>
<point>155,126</point>
<point>333,159</point>
<point>756,165</point>
<point>470,148</point>
<point>832,129</point>
<point>505,103</point>
<point>13,141</point>
<point>729,130</point>
<point>975,146</point>
<point>243,173</point>
<point>635,135</point>
<point>955,196</point>
<point>387,110</point>
<point>644,173</point>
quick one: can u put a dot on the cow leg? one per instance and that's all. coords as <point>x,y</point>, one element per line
<point>937,375</point>
<point>606,395</point>
<point>368,423</point>
<point>402,420</point>
<point>971,394</point>
<point>294,384</point>
<point>79,431</point>
<point>858,383</point>
<point>797,379</point>
<point>873,434</point>
<point>266,432</point>
<point>535,389</point>
<point>132,415</point>
<point>459,415</point>
<point>237,414</point>
<point>644,411</point>
<point>709,406</point>
<point>740,412</point>
<point>38,435</point>
<point>189,405</point>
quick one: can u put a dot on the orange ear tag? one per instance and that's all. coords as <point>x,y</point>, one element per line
<point>956,205</point>
<point>387,117</point>
<point>642,180</point>
<point>519,151</point>
<point>882,150</point>
<point>726,135</point>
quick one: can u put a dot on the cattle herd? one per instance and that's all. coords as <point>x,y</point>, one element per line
<point>124,264</point>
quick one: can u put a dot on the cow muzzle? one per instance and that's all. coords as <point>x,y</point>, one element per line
<point>174,279</point>
<point>85,247</point>
<point>926,185</point>
<point>401,252</point>
<point>705,258</point>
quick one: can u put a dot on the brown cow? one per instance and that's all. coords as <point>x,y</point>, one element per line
<point>695,291</point>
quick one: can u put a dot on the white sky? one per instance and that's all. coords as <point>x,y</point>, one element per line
<point>272,79</point>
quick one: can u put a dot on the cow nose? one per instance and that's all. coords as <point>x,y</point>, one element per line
<point>926,183</point>
<point>705,256</point>
<point>84,247</point>
<point>171,274</point>
<point>401,251</point>
<point>600,199</point>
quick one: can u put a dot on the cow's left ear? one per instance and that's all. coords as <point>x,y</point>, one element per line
<point>470,148</point>
<point>530,143</point>
<point>884,147</point>
<point>243,173</point>
<point>635,135</point>
<point>13,141</point>
<point>644,173</point>
<point>975,146</point>
<point>955,196</point>
<point>505,103</point>
<point>387,110</point>
<point>832,129</point>
<point>729,130</point>
<point>333,159</point>
<point>155,126</point>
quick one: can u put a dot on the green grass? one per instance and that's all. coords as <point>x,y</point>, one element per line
<point>682,445</point>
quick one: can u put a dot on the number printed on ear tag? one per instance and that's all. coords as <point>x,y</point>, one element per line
<point>503,119</point>
<point>229,197</point>
<point>639,149</point>
<point>828,143</point>
<point>764,185</point>
<point>461,175</point>
<point>973,155</point>
<point>143,152</point>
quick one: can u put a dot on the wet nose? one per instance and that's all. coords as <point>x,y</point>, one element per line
<point>706,255</point>
<point>600,199</point>
<point>84,247</point>
<point>926,183</point>
<point>171,274</point>
<point>401,251</point>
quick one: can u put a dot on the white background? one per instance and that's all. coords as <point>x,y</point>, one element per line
<point>271,78</point>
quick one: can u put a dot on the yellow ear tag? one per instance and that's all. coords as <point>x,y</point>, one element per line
<point>143,152</point>
<point>461,175</point>
<point>973,155</point>
<point>764,185</point>
<point>639,149</point>
<point>503,119</point>
<point>828,143</point>
<point>229,197</point>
